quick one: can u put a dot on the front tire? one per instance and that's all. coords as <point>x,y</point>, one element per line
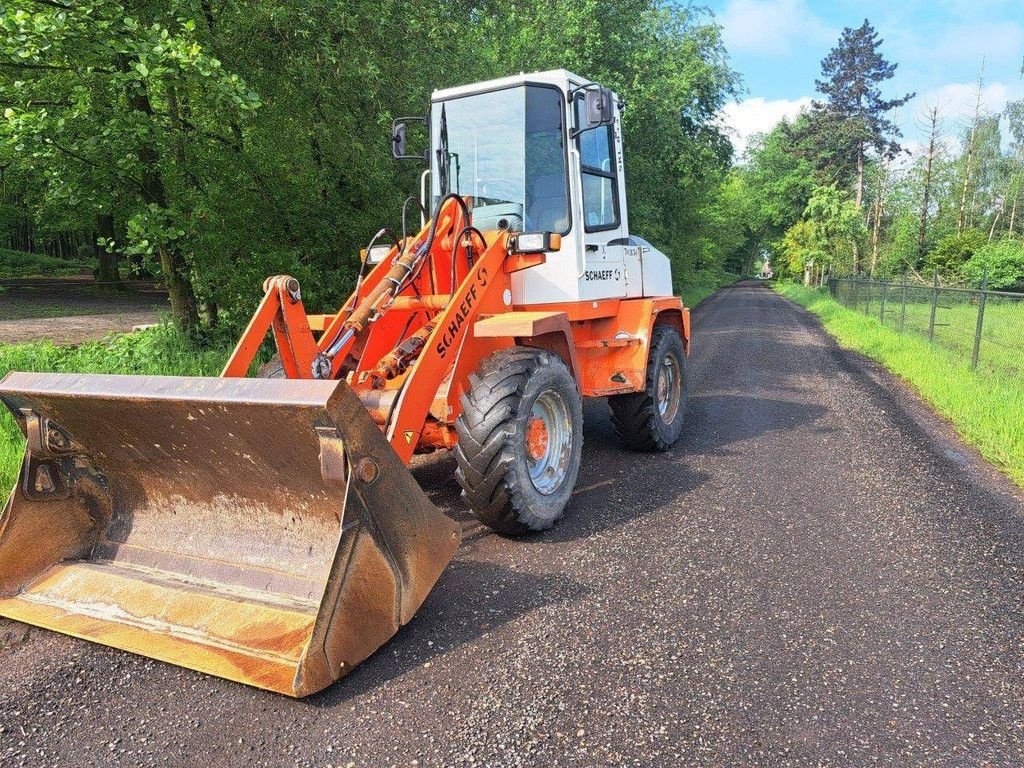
<point>520,440</point>
<point>652,420</point>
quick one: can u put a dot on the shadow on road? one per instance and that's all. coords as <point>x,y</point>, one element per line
<point>716,421</point>
<point>471,599</point>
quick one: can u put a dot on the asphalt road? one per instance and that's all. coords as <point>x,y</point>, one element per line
<point>818,574</point>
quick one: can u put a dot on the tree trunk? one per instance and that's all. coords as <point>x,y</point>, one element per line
<point>962,218</point>
<point>184,310</point>
<point>875,232</point>
<point>1013,213</point>
<point>995,220</point>
<point>922,233</point>
<point>106,271</point>
<point>860,174</point>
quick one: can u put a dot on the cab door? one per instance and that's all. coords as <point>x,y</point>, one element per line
<point>603,209</point>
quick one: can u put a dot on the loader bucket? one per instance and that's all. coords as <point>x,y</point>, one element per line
<point>260,530</point>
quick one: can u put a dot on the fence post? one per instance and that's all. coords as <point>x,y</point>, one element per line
<point>856,292</point>
<point>982,295</point>
<point>903,303</point>
<point>881,312</point>
<point>935,304</point>
<point>867,303</point>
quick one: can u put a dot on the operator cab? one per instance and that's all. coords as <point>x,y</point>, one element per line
<point>542,152</point>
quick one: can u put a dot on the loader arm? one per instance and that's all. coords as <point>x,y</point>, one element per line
<point>302,356</point>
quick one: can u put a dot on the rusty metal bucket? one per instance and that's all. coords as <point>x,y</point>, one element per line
<point>260,530</point>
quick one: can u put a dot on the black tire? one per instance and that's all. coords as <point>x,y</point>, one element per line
<point>272,369</point>
<point>638,420</point>
<point>512,390</point>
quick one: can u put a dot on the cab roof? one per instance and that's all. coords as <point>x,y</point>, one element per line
<point>561,78</point>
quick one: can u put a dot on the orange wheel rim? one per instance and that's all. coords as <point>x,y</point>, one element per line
<point>536,438</point>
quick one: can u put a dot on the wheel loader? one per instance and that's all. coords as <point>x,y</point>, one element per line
<point>266,529</point>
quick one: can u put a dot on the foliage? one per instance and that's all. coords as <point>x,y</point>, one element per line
<point>15,264</point>
<point>953,251</point>
<point>234,141</point>
<point>1004,262</point>
<point>853,117</point>
<point>827,235</point>
<point>702,283</point>
<point>985,409</point>
<point>802,245</point>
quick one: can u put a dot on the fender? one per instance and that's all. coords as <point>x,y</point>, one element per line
<point>542,330</point>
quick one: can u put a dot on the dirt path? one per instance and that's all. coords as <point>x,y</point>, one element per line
<point>817,575</point>
<point>73,314</point>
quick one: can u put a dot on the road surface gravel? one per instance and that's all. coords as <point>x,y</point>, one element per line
<point>817,574</point>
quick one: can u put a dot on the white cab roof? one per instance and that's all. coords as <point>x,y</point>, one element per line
<point>557,77</point>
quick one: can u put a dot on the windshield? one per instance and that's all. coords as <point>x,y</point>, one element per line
<point>505,150</point>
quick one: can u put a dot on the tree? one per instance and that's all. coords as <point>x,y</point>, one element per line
<point>777,184</point>
<point>231,141</point>
<point>827,236</point>
<point>853,118</point>
<point>839,223</point>
<point>90,110</point>
<point>1002,261</point>
<point>1014,114</point>
<point>926,181</point>
<point>953,251</point>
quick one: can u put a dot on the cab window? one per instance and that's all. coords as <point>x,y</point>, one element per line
<point>597,165</point>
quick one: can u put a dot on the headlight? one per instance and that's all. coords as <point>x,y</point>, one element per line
<point>377,254</point>
<point>536,242</point>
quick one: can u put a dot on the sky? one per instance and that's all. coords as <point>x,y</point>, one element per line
<point>938,45</point>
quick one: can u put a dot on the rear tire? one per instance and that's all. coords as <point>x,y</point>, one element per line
<point>520,440</point>
<point>652,420</point>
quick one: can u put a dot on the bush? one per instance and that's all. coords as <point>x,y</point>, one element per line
<point>954,251</point>
<point>1004,260</point>
<point>16,264</point>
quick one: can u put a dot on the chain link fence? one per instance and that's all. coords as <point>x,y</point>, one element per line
<point>985,327</point>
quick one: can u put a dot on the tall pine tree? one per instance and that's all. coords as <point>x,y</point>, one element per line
<point>853,119</point>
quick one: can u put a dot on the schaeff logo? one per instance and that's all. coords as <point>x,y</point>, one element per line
<point>602,274</point>
<point>452,331</point>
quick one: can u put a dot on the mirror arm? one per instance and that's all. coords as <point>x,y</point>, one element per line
<point>577,131</point>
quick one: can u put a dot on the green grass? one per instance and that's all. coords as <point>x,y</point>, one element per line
<point>956,318</point>
<point>161,350</point>
<point>18,264</point>
<point>985,408</point>
<point>697,286</point>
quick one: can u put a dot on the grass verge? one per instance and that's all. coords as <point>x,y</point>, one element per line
<point>696,287</point>
<point>156,351</point>
<point>18,264</point>
<point>985,409</point>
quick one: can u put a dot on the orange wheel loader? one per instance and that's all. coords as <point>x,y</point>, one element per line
<point>267,530</point>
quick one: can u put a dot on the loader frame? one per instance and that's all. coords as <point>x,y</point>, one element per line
<point>459,304</point>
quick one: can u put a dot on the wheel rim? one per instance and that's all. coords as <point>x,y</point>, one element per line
<point>669,388</point>
<point>548,442</point>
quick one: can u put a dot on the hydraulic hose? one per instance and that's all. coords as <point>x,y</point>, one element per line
<point>397,278</point>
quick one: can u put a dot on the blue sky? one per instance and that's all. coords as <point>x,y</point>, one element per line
<point>778,45</point>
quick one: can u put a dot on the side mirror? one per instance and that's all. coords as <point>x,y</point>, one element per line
<point>399,131</point>
<point>398,140</point>
<point>600,107</point>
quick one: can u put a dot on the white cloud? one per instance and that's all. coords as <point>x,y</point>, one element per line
<point>742,119</point>
<point>771,27</point>
<point>956,101</point>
